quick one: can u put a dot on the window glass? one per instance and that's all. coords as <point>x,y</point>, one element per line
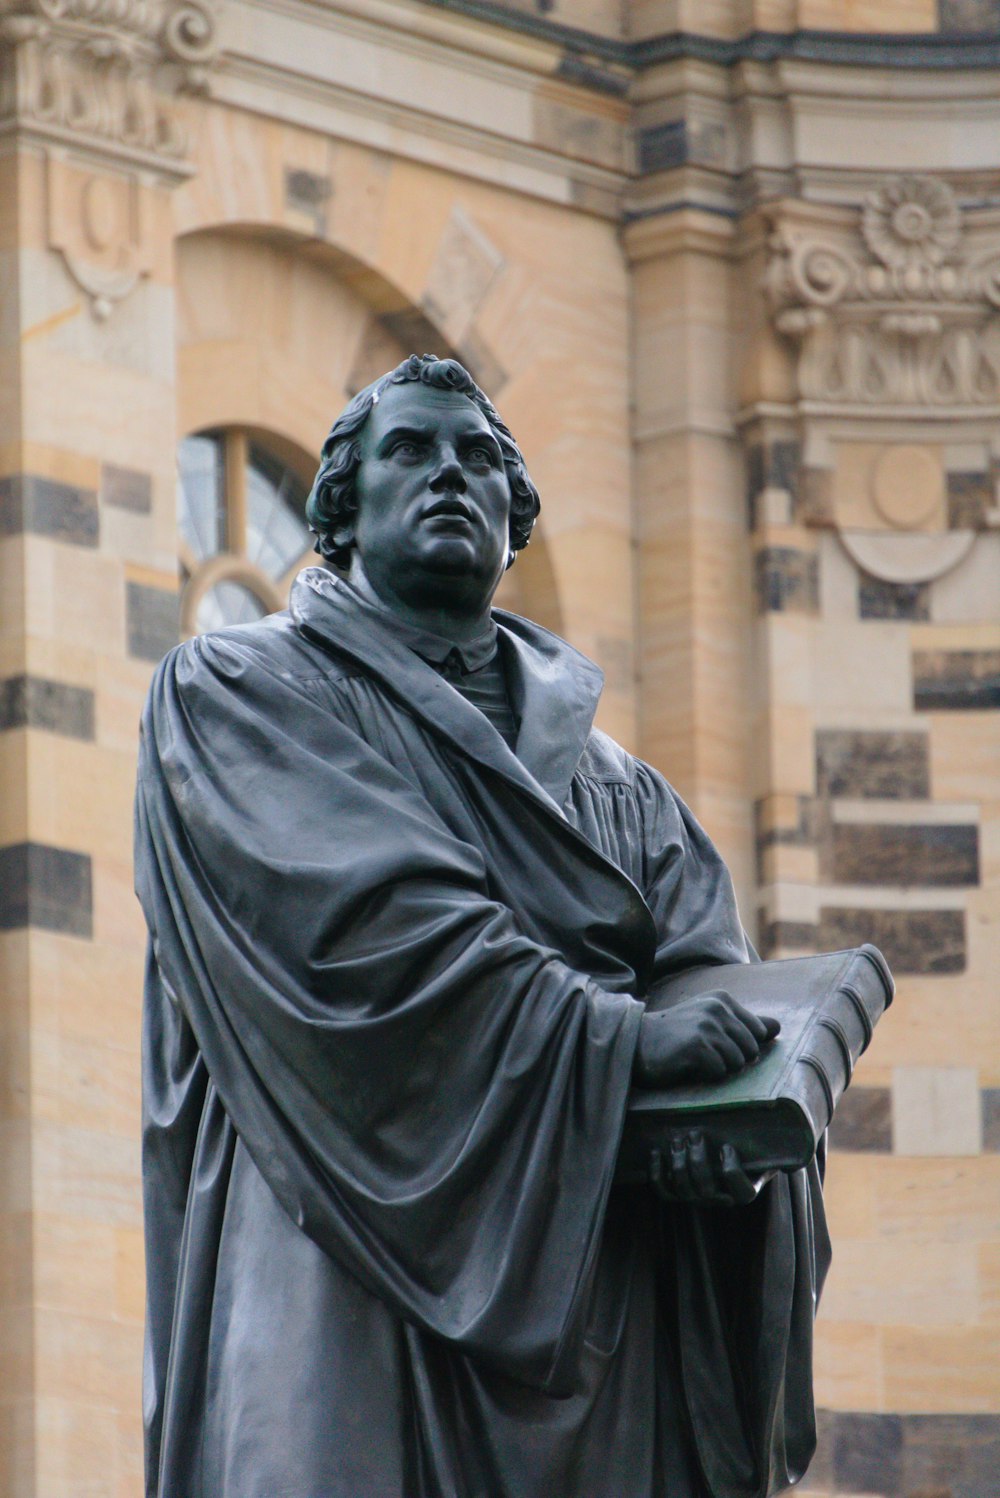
<point>228,603</point>
<point>277,533</point>
<point>201,500</point>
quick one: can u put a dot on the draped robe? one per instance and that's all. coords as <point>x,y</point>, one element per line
<point>394,986</point>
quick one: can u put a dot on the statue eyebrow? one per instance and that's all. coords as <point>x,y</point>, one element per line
<point>402,433</point>
<point>410,433</point>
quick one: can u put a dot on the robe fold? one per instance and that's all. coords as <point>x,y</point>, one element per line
<point>394,986</point>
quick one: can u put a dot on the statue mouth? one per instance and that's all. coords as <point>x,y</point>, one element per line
<point>452,509</point>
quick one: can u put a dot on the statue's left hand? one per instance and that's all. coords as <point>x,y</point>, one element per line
<point>690,1170</point>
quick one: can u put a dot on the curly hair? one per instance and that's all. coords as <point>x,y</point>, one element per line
<point>333,499</point>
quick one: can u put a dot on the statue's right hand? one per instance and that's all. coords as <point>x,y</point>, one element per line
<point>699,1040</point>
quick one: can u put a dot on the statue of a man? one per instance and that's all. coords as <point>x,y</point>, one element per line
<point>405,906</point>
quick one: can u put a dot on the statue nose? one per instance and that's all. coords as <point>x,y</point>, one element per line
<point>448,476</point>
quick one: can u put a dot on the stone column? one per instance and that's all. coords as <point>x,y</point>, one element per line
<point>94,120</point>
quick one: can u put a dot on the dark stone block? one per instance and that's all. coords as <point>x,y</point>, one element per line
<point>799,936</point>
<point>881,600</point>
<point>152,621</point>
<point>126,489</point>
<point>45,887</point>
<point>856,763</point>
<point>862,1123</point>
<point>951,1456</point>
<point>786,580</point>
<point>801,835</point>
<point>913,941</point>
<point>662,147</point>
<point>772,465</point>
<point>931,855</point>
<point>32,702</point>
<point>991,1124</point>
<point>956,680</point>
<point>867,1453</point>
<point>970,496</point>
<point>978,16</point>
<point>41,507</point>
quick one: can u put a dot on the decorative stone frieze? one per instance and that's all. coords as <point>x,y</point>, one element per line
<point>105,73</point>
<point>893,307</point>
<point>100,85</point>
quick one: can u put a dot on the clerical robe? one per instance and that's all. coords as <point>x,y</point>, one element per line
<point>395,980</point>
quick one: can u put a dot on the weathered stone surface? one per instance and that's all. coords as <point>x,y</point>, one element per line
<point>45,887</point>
<point>905,1456</point>
<point>878,599</point>
<point>858,763</point>
<point>956,680</point>
<point>42,507</point>
<point>935,855</point>
<point>152,621</point>
<point>126,489</point>
<point>798,936</point>
<point>801,834</point>
<point>970,496</point>
<point>786,580</point>
<point>991,1118</point>
<point>867,1452</point>
<point>771,465</point>
<point>969,15</point>
<point>914,941</point>
<point>863,1121</point>
<point>661,147</point>
<point>33,702</point>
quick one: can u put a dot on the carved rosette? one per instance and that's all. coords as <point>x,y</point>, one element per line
<point>105,80</point>
<point>895,309</point>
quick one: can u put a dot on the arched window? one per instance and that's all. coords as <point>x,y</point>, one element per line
<point>243,533</point>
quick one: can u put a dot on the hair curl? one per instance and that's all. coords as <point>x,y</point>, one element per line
<point>333,498</point>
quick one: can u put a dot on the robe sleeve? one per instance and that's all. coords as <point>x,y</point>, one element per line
<point>434,1099</point>
<point>739,1286</point>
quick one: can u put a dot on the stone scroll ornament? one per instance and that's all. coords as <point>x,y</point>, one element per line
<point>897,309</point>
<point>108,78</point>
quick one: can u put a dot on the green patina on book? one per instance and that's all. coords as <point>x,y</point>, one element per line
<point>776,1110</point>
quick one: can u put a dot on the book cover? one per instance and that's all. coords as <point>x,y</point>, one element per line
<point>776,1109</point>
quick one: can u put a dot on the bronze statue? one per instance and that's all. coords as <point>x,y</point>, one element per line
<point>405,907</point>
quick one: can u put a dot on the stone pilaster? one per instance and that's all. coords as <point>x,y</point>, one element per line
<point>96,109</point>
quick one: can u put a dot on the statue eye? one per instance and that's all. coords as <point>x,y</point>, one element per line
<point>483,455</point>
<point>405,449</point>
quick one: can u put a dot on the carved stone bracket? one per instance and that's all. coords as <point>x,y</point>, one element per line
<point>893,307</point>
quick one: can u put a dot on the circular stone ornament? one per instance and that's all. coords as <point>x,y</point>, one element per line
<point>907,487</point>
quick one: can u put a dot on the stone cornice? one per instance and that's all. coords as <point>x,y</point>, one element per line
<point>931,50</point>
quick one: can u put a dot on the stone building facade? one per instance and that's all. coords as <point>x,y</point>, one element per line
<point>731,270</point>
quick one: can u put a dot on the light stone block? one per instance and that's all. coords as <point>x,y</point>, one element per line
<point>930,1284</point>
<point>936,1110</point>
<point>847,1365</point>
<point>939,1200</point>
<point>970,592</point>
<point>941,1369</point>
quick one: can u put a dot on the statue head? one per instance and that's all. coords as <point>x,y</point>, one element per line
<point>333,503</point>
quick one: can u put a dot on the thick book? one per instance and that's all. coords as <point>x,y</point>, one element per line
<point>776,1109</point>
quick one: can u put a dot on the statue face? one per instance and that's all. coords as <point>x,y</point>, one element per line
<point>433,499</point>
